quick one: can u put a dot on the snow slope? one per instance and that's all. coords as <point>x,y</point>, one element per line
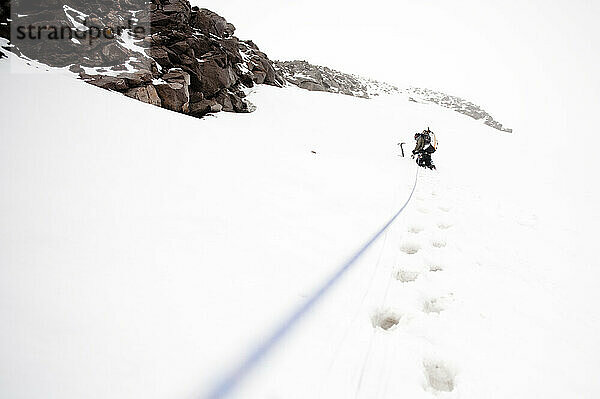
<point>143,252</point>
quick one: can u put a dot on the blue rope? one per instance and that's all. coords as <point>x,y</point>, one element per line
<point>232,379</point>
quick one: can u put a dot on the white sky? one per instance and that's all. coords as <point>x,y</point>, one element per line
<point>532,64</point>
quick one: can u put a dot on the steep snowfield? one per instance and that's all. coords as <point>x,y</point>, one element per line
<point>143,253</point>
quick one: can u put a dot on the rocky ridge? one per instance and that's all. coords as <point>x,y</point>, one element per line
<point>454,103</point>
<point>318,78</point>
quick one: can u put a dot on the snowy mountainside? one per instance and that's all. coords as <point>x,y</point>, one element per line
<point>182,58</point>
<point>144,254</point>
<point>319,78</point>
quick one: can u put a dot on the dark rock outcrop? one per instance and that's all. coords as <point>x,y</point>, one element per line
<point>174,92</point>
<point>166,53</point>
<point>212,23</point>
<point>146,94</point>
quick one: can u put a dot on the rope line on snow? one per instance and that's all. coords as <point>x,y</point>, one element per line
<point>234,377</point>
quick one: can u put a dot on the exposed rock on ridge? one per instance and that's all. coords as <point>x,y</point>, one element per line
<point>318,78</point>
<point>455,103</point>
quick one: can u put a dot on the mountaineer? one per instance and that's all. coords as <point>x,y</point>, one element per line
<point>426,145</point>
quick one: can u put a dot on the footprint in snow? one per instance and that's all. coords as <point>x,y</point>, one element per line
<point>437,305</point>
<point>438,243</point>
<point>406,276</point>
<point>444,209</point>
<point>416,229</point>
<point>444,226</point>
<point>410,248</point>
<point>440,376</point>
<point>433,305</point>
<point>435,267</point>
<point>385,319</point>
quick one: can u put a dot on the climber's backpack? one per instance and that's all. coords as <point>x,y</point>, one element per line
<point>430,141</point>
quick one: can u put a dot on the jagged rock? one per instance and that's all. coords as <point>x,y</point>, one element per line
<point>203,107</point>
<point>215,76</point>
<point>160,55</point>
<point>177,7</point>
<point>225,100</point>
<point>271,78</point>
<point>196,96</point>
<point>212,23</point>
<point>174,93</point>
<point>231,102</point>
<point>174,96</point>
<point>106,82</point>
<point>312,85</point>
<point>118,68</point>
<point>240,105</point>
<point>318,78</point>
<point>159,20</point>
<point>136,79</point>
<point>177,76</point>
<point>76,69</point>
<point>146,94</point>
<point>259,76</point>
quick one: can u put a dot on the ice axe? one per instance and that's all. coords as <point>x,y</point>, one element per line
<point>402,148</point>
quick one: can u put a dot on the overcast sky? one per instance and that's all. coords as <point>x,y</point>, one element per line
<point>532,64</point>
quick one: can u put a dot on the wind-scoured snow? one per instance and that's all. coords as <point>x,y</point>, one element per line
<point>143,253</point>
